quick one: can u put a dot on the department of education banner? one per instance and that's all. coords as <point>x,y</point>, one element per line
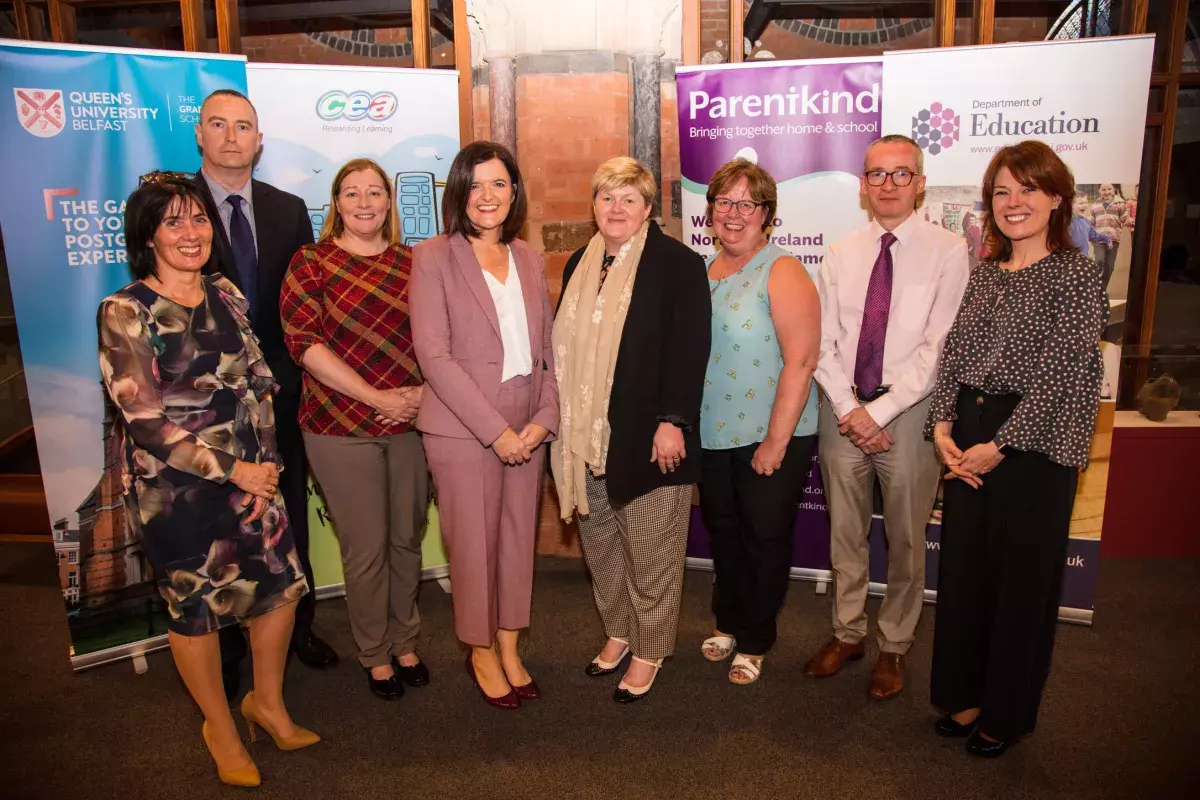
<point>78,126</point>
<point>1087,100</point>
<point>313,120</point>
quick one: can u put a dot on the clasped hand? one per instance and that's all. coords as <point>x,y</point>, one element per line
<point>515,448</point>
<point>397,406</point>
<point>969,466</point>
<point>260,482</point>
<point>862,429</point>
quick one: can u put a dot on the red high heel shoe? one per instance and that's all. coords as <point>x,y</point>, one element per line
<point>509,702</point>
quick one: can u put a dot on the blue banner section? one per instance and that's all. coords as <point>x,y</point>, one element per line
<point>78,125</point>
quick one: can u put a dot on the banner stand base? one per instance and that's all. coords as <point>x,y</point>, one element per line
<point>137,651</point>
<point>823,577</point>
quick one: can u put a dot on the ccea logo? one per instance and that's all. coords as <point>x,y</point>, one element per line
<point>41,111</point>
<point>356,105</point>
<point>935,129</point>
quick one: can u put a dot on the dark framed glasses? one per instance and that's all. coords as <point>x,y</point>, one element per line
<point>900,177</point>
<point>160,175</point>
<point>746,207</point>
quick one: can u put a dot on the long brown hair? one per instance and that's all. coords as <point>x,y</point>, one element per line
<point>334,225</point>
<point>1033,164</point>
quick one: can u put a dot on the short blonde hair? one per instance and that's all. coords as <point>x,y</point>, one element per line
<point>622,171</point>
<point>334,225</point>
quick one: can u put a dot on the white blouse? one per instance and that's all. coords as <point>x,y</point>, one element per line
<point>514,326</point>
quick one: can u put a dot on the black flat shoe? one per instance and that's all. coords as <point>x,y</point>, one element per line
<point>313,652</point>
<point>946,726</point>
<point>388,688</point>
<point>414,676</point>
<point>979,746</point>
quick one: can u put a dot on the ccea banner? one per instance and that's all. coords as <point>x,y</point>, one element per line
<point>1087,100</point>
<point>313,120</point>
<point>79,127</point>
<point>809,124</point>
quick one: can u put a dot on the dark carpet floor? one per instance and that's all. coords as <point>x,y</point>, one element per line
<point>1118,719</point>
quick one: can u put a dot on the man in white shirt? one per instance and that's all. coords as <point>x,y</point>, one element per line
<point>889,293</point>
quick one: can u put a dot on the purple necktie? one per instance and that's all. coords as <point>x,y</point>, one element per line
<point>868,364</point>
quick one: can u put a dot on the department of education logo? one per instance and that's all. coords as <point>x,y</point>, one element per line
<point>935,128</point>
<point>41,111</point>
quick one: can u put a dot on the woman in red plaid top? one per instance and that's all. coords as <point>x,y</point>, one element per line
<point>346,322</point>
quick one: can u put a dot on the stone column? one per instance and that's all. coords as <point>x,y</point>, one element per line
<point>647,142</point>
<point>503,103</point>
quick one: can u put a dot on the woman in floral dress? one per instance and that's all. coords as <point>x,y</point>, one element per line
<point>201,473</point>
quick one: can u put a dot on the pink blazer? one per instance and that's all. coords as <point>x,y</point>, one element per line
<point>456,334</point>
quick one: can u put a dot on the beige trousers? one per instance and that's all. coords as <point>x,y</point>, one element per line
<point>377,491</point>
<point>908,476</point>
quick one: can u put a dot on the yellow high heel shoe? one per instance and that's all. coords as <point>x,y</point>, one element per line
<point>253,716</point>
<point>243,776</point>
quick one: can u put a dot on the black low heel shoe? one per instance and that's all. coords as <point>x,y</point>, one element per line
<point>946,726</point>
<point>414,676</point>
<point>388,688</point>
<point>979,746</point>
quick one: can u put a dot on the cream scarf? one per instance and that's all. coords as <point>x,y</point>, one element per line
<point>586,338</point>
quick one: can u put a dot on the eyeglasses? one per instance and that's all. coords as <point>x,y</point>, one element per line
<point>900,177</point>
<point>746,207</point>
<point>160,176</point>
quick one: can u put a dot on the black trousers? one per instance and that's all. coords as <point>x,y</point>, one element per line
<point>1003,552</point>
<point>293,485</point>
<point>751,520</point>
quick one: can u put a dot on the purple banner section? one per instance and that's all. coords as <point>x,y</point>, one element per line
<point>811,546</point>
<point>798,118</point>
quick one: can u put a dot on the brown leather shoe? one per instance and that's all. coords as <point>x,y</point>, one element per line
<point>830,658</point>
<point>888,677</point>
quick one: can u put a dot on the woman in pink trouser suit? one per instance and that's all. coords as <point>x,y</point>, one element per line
<point>481,321</point>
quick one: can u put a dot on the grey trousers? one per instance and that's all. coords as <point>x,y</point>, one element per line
<point>635,553</point>
<point>377,491</point>
<point>908,477</point>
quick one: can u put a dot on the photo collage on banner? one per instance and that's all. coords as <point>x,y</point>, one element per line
<point>313,120</point>
<point>80,126</point>
<point>961,105</point>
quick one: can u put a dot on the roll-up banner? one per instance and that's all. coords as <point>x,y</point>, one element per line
<point>313,120</point>
<point>808,123</point>
<point>79,126</point>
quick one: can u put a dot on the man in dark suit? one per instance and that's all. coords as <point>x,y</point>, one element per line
<point>258,230</point>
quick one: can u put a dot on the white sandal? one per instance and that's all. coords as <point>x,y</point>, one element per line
<point>627,694</point>
<point>601,667</point>
<point>745,665</point>
<point>717,648</point>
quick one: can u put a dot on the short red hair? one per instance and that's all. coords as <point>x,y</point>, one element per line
<point>1033,164</point>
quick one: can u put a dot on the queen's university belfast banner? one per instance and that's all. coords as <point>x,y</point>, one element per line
<point>79,126</point>
<point>809,123</point>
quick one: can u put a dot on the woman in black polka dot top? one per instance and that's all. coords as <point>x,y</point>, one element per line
<point>1012,417</point>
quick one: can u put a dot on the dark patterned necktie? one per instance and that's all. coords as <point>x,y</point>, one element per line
<point>241,239</point>
<point>868,365</point>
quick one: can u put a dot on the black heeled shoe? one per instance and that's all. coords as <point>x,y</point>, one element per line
<point>946,726</point>
<point>979,746</point>
<point>387,688</point>
<point>414,676</point>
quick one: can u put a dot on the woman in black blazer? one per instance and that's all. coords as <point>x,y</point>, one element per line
<point>631,343</point>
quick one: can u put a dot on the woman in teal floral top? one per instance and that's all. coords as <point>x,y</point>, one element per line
<point>758,422</point>
<point>201,473</point>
